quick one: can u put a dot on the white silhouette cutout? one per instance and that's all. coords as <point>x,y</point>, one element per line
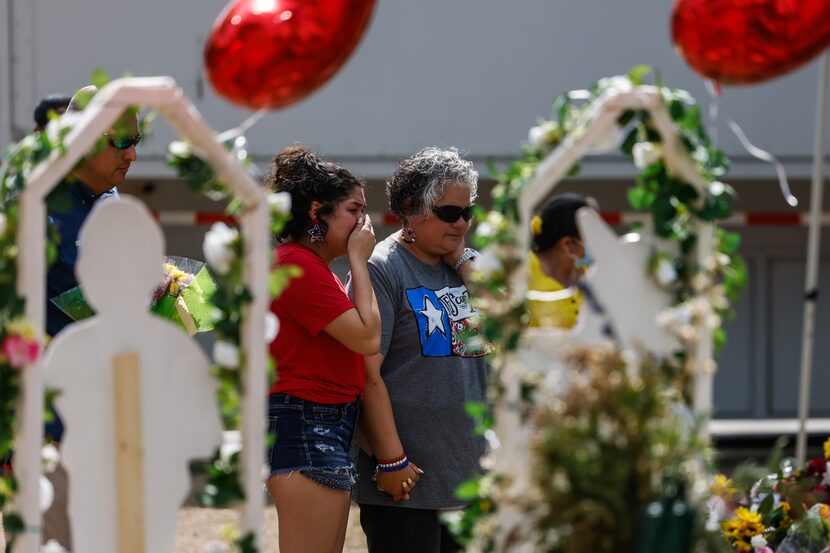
<point>119,264</point>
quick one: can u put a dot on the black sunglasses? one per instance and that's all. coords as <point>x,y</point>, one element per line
<point>451,213</point>
<point>123,143</point>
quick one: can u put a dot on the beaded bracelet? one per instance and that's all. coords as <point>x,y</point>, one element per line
<point>397,459</point>
<point>397,464</point>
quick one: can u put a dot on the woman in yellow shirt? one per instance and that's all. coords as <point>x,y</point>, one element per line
<point>557,260</point>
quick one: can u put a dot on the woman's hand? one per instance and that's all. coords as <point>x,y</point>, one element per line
<point>400,483</point>
<point>362,240</point>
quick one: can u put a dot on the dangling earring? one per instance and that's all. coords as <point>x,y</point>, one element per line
<point>408,233</point>
<point>317,234</point>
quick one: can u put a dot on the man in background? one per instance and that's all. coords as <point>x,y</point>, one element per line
<point>50,106</point>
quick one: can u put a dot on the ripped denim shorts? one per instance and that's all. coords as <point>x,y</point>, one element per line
<point>312,439</point>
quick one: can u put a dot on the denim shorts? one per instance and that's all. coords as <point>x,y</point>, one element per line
<point>313,439</point>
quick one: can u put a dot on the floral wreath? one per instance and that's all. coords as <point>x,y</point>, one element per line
<point>553,492</point>
<point>22,344</point>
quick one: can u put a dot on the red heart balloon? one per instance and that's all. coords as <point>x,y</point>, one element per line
<point>748,41</point>
<point>272,53</point>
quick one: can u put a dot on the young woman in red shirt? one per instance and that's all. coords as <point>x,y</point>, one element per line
<point>319,351</point>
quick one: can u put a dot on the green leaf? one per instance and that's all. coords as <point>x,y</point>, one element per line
<point>476,409</point>
<point>640,198</point>
<point>280,277</point>
<point>100,78</point>
<point>468,491</point>
<point>638,72</point>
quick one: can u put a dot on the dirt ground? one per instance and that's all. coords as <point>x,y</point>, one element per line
<point>197,527</point>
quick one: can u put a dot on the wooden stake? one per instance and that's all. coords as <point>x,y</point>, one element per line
<point>129,452</point>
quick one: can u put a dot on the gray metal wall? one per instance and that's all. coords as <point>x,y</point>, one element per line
<point>469,73</point>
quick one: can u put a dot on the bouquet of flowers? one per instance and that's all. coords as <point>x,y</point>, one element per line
<point>783,512</point>
<point>182,297</point>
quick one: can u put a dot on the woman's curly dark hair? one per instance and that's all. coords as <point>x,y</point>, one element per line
<point>300,172</point>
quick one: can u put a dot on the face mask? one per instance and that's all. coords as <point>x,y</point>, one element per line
<point>584,261</point>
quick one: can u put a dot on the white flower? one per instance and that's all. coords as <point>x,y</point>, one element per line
<point>179,149</point>
<point>272,327</point>
<point>620,83</point>
<point>52,546</point>
<point>50,457</point>
<point>488,263</point>
<point>2,224</point>
<point>280,202</point>
<point>485,230</point>
<point>717,188</point>
<point>47,494</point>
<point>665,272</point>
<point>215,547</point>
<point>231,445</point>
<point>225,354</point>
<point>540,136</point>
<point>758,541</point>
<point>217,247</point>
<point>646,153</point>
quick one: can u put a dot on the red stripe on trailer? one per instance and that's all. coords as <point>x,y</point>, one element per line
<point>215,217</point>
<point>612,219</point>
<point>773,218</point>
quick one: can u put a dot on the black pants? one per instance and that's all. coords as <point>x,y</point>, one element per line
<point>403,530</point>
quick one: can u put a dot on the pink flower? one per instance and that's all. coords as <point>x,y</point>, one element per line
<point>20,351</point>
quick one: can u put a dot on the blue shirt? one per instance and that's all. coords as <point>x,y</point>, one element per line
<point>61,275</point>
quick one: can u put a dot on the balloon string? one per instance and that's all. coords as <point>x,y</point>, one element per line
<point>715,92</point>
<point>241,129</point>
<point>763,155</point>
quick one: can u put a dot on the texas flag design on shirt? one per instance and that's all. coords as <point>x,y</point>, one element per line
<point>442,316</point>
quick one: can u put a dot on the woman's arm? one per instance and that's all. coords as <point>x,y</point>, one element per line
<point>359,329</point>
<point>382,434</point>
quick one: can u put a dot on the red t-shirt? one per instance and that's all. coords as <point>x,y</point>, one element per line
<point>310,363</point>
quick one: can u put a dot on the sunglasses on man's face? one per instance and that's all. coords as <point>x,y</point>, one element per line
<point>122,143</point>
<point>451,213</point>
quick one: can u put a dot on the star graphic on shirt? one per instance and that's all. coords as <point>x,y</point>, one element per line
<point>435,317</point>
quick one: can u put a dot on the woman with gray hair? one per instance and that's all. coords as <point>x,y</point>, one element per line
<point>413,409</point>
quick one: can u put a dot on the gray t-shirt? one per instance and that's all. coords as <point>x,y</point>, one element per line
<point>429,375</point>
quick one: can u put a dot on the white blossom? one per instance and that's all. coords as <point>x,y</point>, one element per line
<point>620,83</point>
<point>179,149</point>
<point>217,249</point>
<point>717,188</point>
<point>46,495</point>
<point>758,541</point>
<point>665,272</point>
<point>486,230</point>
<point>488,263</point>
<point>50,457</point>
<point>646,153</point>
<point>272,327</point>
<point>225,354</point>
<point>540,136</point>
<point>280,202</point>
